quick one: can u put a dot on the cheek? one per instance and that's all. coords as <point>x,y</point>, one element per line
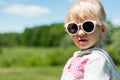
<point>75,40</point>
<point>96,35</point>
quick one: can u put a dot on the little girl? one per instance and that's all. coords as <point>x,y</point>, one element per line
<point>85,22</point>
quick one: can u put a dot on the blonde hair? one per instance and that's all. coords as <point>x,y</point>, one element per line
<point>86,9</point>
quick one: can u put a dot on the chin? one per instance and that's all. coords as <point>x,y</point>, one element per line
<point>83,47</point>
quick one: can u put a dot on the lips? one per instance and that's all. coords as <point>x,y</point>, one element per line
<point>82,40</point>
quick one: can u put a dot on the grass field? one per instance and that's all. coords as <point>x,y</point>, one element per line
<point>24,63</point>
<point>32,56</point>
<point>36,73</point>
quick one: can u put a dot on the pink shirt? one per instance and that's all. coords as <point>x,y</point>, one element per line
<point>87,65</point>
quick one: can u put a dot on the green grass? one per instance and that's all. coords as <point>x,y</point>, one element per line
<point>15,64</point>
<point>34,56</point>
<point>35,73</point>
<point>30,63</point>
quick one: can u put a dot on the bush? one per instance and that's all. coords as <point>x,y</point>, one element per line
<point>114,50</point>
<point>31,57</point>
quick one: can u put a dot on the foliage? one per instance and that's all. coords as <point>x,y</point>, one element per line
<point>114,47</point>
<point>10,39</point>
<point>46,35</point>
<point>31,57</point>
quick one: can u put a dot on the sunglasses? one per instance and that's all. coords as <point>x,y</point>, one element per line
<point>87,26</point>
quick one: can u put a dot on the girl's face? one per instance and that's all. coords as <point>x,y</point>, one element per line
<point>84,40</point>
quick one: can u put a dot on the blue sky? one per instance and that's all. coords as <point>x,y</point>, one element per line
<point>16,15</point>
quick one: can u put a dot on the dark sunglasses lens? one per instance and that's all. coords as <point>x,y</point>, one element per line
<point>88,26</point>
<point>72,28</point>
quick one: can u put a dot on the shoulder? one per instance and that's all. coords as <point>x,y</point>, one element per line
<point>97,58</point>
<point>97,54</point>
<point>98,65</point>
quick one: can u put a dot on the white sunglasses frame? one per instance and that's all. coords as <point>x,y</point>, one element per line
<point>81,25</point>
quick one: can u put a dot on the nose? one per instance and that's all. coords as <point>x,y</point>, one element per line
<point>81,33</point>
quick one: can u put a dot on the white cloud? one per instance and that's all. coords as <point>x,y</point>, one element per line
<point>26,10</point>
<point>116,21</point>
<point>71,1</point>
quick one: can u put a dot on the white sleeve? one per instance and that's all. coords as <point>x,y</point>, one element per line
<point>97,68</point>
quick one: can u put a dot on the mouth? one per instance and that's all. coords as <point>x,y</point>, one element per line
<point>82,41</point>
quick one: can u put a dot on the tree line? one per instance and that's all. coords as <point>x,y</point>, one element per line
<point>49,36</point>
<point>45,35</point>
